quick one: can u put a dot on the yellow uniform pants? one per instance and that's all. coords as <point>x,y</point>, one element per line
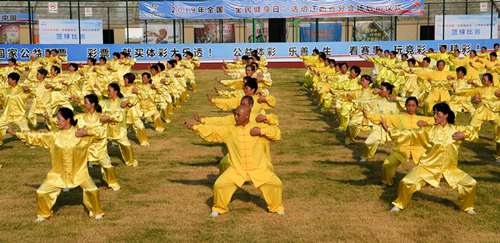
<point>164,111</point>
<point>32,122</point>
<point>462,104</point>
<point>224,164</point>
<point>377,136</point>
<point>140,130</point>
<point>46,196</point>
<point>353,128</point>
<point>390,166</point>
<point>3,125</point>
<point>308,79</point>
<point>345,111</point>
<point>433,98</point>
<point>126,151</point>
<point>224,189</point>
<point>108,173</point>
<point>477,122</point>
<point>412,183</point>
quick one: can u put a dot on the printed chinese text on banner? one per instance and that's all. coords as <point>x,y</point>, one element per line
<point>277,9</point>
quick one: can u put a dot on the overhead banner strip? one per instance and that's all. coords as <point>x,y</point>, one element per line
<point>226,9</point>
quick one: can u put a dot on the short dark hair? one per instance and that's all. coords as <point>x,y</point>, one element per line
<point>179,56</point>
<point>130,77</point>
<point>74,65</point>
<point>43,72</point>
<point>92,60</point>
<point>356,69</point>
<point>56,51</point>
<point>57,69</point>
<point>103,58</point>
<point>252,84</point>
<point>388,86</point>
<point>490,77</point>
<point>427,59</point>
<point>67,113</point>
<point>440,62</point>
<point>315,51</point>
<point>445,108</point>
<point>250,99</point>
<point>13,60</point>
<point>14,76</point>
<point>462,69</point>
<point>411,98</point>
<point>125,54</point>
<point>147,75</point>
<point>367,77</point>
<point>412,61</point>
<point>252,67</point>
<point>116,54</point>
<point>494,54</point>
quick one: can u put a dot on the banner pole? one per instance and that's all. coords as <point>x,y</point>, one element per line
<point>70,12</point>
<point>79,28</point>
<point>428,23</point>
<point>29,21</point>
<point>175,39</point>
<point>491,24</point>
<point>354,30</point>
<point>317,28</point>
<point>146,25</point>
<point>444,12</point>
<point>128,33</point>
<point>254,31</point>
<point>109,32</point>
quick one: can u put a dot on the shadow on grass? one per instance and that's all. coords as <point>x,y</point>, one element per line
<point>204,164</point>
<point>495,178</point>
<point>239,194</point>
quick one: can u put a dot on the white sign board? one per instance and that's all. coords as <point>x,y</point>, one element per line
<point>65,31</point>
<point>52,7</point>
<point>88,12</point>
<point>484,7</point>
<point>460,27</point>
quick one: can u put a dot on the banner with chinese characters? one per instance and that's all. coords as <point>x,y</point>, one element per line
<point>224,9</point>
<point>16,18</point>
<point>10,33</point>
<point>327,32</point>
<point>65,31</point>
<point>282,52</point>
<point>373,30</point>
<point>459,27</point>
<point>210,33</point>
<point>161,33</point>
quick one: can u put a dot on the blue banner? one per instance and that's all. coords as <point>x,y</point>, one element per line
<point>150,53</point>
<point>327,32</point>
<point>16,17</point>
<point>224,9</point>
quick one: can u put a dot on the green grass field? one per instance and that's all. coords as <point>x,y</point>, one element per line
<point>328,195</point>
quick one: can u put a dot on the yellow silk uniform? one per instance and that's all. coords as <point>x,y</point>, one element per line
<point>134,114</point>
<point>147,105</point>
<point>472,73</point>
<point>463,103</point>
<point>72,82</point>
<point>114,75</point>
<point>272,120</point>
<point>232,104</point>
<point>162,97</point>
<point>438,162</point>
<point>493,69</point>
<point>247,163</point>
<point>189,66</point>
<point>356,119</point>
<point>91,79</point>
<point>439,88</point>
<point>69,167</point>
<point>309,61</point>
<point>228,94</point>
<point>59,96</point>
<point>400,154</point>
<point>382,70</point>
<point>322,88</point>
<point>98,150</point>
<point>117,127</point>
<point>441,56</point>
<point>33,69</point>
<point>5,71</point>
<point>378,135</point>
<point>41,102</point>
<point>173,85</point>
<point>14,101</point>
<point>344,106</point>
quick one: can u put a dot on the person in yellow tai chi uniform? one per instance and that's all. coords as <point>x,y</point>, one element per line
<point>245,142</point>
<point>442,141</point>
<point>68,148</point>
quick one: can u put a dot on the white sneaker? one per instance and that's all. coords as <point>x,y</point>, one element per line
<point>214,214</point>
<point>129,131</point>
<point>314,100</point>
<point>90,165</point>
<point>0,167</point>
<point>33,147</point>
<point>319,104</point>
<point>112,145</point>
<point>497,160</point>
<point>336,119</point>
<point>116,189</point>
<point>395,209</point>
<point>146,122</point>
<point>65,190</point>
<point>98,217</point>
<point>40,219</point>
<point>136,165</point>
<point>362,160</point>
<point>281,212</point>
<point>322,111</point>
<point>384,186</point>
<point>471,211</point>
